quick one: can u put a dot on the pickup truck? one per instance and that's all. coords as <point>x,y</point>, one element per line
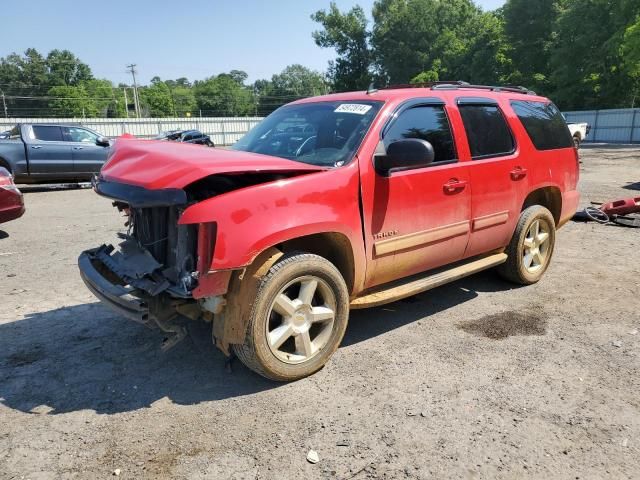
<point>339,202</point>
<point>47,153</point>
<point>579,132</point>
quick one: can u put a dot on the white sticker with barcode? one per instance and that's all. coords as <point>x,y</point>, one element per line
<point>356,108</point>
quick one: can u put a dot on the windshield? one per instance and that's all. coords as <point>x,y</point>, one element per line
<point>322,133</point>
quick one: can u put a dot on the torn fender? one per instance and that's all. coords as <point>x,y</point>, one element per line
<point>230,326</point>
<point>250,220</point>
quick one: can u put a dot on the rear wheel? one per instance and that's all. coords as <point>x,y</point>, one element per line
<point>531,247</point>
<point>298,319</point>
<point>576,141</point>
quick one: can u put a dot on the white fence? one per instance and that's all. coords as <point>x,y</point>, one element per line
<point>222,130</point>
<point>607,126</point>
<point>620,125</point>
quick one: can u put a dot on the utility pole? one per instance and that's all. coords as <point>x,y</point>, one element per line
<point>136,99</point>
<point>126,102</point>
<point>4,104</point>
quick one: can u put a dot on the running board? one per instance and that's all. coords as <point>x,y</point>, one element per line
<point>427,282</point>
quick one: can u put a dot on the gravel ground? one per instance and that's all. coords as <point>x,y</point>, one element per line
<point>476,379</point>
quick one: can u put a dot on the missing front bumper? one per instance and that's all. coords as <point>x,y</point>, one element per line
<point>118,298</point>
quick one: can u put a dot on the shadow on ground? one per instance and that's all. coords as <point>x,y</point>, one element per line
<point>3,235</point>
<point>632,186</point>
<point>84,357</point>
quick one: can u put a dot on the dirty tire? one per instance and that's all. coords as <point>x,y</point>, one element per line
<point>256,352</point>
<point>576,141</point>
<point>514,268</point>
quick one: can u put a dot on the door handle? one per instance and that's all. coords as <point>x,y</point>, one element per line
<point>78,148</point>
<point>454,186</point>
<point>518,173</point>
<point>36,147</point>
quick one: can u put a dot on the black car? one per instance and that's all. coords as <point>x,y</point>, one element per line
<point>186,136</point>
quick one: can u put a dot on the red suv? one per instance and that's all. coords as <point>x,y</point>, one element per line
<point>333,203</point>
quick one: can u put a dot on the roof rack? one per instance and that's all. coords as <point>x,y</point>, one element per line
<point>454,85</point>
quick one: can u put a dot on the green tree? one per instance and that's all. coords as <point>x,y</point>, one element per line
<point>530,30</point>
<point>156,99</point>
<point>631,57</point>
<point>25,76</point>
<point>294,82</point>
<point>66,69</point>
<point>224,95</point>
<point>71,101</point>
<point>588,63</point>
<point>298,81</point>
<point>414,36</point>
<point>184,101</point>
<point>347,34</point>
<point>103,95</point>
<point>487,59</point>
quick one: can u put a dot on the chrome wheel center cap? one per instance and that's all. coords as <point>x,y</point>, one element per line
<point>299,320</point>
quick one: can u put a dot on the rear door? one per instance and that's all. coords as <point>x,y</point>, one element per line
<point>48,153</point>
<point>498,174</point>
<point>87,157</point>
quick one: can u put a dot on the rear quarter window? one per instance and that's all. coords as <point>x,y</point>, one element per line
<point>544,124</point>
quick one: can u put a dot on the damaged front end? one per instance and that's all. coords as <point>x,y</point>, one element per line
<point>152,273</point>
<point>162,273</point>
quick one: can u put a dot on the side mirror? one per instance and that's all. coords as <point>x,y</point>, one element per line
<point>404,155</point>
<point>103,142</point>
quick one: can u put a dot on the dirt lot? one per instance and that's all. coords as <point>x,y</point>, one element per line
<point>473,380</point>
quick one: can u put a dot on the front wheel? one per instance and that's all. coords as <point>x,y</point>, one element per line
<point>531,247</point>
<point>298,319</point>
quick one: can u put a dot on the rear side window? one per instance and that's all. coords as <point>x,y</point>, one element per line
<point>47,133</point>
<point>544,124</point>
<point>487,131</point>
<point>428,123</point>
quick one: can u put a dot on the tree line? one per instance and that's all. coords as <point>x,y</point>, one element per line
<point>583,54</point>
<point>61,85</point>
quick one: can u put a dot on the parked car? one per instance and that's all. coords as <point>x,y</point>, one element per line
<point>47,153</point>
<point>11,200</point>
<point>4,135</point>
<point>334,203</point>
<point>187,136</point>
<point>579,132</point>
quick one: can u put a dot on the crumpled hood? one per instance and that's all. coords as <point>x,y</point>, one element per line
<point>158,164</point>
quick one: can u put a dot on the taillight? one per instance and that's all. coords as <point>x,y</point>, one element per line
<point>6,181</point>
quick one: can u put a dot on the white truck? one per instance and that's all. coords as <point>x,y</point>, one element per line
<point>579,131</point>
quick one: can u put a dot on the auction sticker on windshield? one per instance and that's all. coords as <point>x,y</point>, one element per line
<point>356,108</point>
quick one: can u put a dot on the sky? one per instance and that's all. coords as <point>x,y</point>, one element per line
<point>172,39</point>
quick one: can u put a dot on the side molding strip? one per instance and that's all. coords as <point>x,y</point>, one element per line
<point>412,240</point>
<point>490,220</point>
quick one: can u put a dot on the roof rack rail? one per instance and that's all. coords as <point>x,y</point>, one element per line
<point>454,85</point>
